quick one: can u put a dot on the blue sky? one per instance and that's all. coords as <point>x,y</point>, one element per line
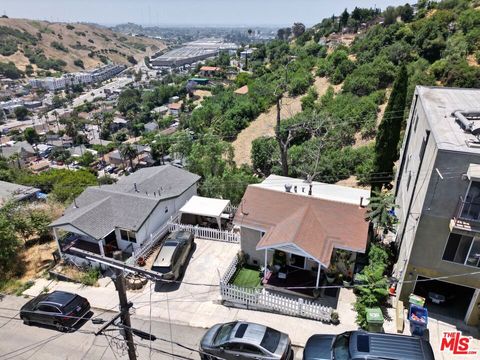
<point>185,12</point>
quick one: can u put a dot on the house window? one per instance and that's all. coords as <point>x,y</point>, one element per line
<point>471,207</point>
<point>128,235</point>
<point>463,249</point>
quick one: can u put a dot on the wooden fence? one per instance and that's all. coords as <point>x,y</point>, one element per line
<point>262,299</point>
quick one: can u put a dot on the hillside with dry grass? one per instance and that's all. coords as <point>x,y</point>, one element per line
<point>65,47</point>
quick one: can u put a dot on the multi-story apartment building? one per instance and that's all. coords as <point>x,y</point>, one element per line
<point>96,75</point>
<point>438,197</point>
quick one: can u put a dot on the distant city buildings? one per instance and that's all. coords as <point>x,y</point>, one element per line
<point>79,78</point>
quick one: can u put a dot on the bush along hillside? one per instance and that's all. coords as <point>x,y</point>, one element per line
<point>375,66</point>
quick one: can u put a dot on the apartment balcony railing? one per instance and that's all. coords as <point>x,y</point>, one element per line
<point>467,216</point>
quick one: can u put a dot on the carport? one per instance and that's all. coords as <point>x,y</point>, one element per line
<point>199,206</point>
<point>443,298</point>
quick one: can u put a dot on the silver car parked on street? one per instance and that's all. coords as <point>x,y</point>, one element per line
<point>244,340</point>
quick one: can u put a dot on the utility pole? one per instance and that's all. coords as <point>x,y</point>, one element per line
<point>124,307</point>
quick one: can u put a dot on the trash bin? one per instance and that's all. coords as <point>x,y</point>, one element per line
<point>418,317</point>
<point>374,319</point>
<point>416,300</point>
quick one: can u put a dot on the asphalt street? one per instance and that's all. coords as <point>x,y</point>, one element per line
<point>19,341</point>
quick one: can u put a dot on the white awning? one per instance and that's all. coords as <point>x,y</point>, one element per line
<point>204,206</point>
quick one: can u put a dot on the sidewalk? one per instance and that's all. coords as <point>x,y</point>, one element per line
<point>199,306</point>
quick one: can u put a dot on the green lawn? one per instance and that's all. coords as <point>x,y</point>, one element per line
<point>246,278</point>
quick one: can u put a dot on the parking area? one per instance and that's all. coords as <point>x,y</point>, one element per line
<point>198,286</point>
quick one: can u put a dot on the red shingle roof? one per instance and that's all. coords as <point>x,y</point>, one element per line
<point>209,68</point>
<point>242,91</point>
<point>314,225</point>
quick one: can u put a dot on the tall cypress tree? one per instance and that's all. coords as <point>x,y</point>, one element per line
<point>386,146</point>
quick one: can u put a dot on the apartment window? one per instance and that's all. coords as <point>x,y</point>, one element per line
<point>463,249</point>
<point>128,235</point>
<point>471,207</point>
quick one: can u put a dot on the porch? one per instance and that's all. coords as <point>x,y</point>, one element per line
<point>69,242</point>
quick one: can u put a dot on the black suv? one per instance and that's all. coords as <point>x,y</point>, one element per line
<point>362,345</point>
<point>59,308</point>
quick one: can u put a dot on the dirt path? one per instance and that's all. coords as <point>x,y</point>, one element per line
<point>264,124</point>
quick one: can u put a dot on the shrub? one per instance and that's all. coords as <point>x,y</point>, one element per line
<point>79,63</point>
<point>59,46</point>
<point>91,276</point>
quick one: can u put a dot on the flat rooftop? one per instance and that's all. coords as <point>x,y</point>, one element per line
<point>320,190</point>
<point>439,103</point>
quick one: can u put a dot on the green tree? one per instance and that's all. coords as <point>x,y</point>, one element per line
<point>264,155</point>
<point>9,247</point>
<point>386,146</point>
<point>129,100</point>
<point>298,29</point>
<point>379,211</point>
<point>21,113</point>
<point>31,136</point>
<point>86,159</point>
<point>128,152</point>
<point>344,17</point>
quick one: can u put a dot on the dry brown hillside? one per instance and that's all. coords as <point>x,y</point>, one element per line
<point>69,42</point>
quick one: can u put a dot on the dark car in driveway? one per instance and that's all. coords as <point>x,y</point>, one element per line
<point>59,308</point>
<point>245,341</point>
<point>173,255</point>
<point>362,345</point>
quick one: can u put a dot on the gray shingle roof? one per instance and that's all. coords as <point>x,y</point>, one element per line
<point>98,210</point>
<point>15,191</point>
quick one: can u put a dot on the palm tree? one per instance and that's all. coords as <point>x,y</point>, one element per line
<point>380,211</point>
<point>128,152</point>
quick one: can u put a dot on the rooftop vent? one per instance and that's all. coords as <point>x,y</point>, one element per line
<point>288,187</point>
<point>468,121</point>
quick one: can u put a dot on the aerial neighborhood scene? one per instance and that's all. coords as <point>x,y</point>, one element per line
<point>240,179</point>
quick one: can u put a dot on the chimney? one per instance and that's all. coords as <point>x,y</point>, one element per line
<point>310,189</point>
<point>295,188</point>
<point>135,187</point>
<point>288,187</point>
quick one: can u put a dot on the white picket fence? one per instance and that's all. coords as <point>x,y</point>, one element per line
<point>207,233</point>
<point>262,299</point>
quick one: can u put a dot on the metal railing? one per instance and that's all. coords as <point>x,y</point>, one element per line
<point>466,212</point>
